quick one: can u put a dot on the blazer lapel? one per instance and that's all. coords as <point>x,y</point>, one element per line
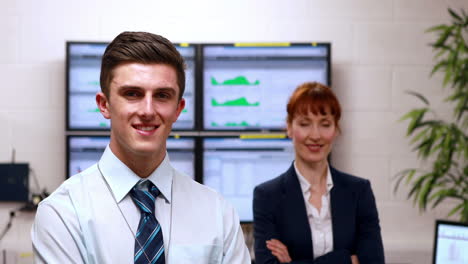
<point>341,209</point>
<point>296,214</point>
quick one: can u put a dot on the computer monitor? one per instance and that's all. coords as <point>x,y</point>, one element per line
<point>247,86</point>
<point>83,71</point>
<point>14,182</point>
<point>234,166</point>
<point>450,243</point>
<point>84,151</point>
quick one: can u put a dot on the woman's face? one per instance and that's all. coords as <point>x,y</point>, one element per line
<point>313,136</point>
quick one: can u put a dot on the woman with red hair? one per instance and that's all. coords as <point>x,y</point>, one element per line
<point>314,213</point>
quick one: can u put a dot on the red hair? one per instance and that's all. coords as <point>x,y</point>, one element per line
<point>316,98</point>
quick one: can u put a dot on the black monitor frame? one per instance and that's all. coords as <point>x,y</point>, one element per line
<point>14,182</point>
<point>436,234</point>
<point>201,101</point>
<point>69,44</point>
<point>196,151</point>
<point>242,137</point>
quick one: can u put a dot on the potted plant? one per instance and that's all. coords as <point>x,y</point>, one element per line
<point>442,144</point>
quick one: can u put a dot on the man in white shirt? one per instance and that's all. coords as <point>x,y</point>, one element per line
<point>96,217</point>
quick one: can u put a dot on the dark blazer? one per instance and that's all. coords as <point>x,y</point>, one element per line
<point>279,212</point>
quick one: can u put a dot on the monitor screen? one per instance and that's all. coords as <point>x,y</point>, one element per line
<point>14,182</point>
<point>450,243</point>
<point>247,87</point>
<point>234,166</point>
<point>83,71</point>
<point>85,151</point>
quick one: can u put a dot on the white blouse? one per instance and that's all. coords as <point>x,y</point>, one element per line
<point>320,221</point>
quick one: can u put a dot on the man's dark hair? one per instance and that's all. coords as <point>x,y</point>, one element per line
<point>140,47</point>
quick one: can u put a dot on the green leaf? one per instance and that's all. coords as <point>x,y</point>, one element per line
<point>400,177</point>
<point>419,136</point>
<point>436,28</point>
<point>455,96</point>
<point>455,15</point>
<point>440,42</point>
<point>425,147</point>
<point>411,173</point>
<point>416,120</point>
<point>459,108</point>
<point>409,115</point>
<point>448,76</point>
<point>440,196</point>
<point>454,210</point>
<point>464,214</point>
<point>464,14</point>
<point>433,124</point>
<point>416,189</point>
<point>435,149</point>
<point>440,53</point>
<point>420,96</point>
<point>425,191</point>
<point>447,141</point>
<point>438,65</point>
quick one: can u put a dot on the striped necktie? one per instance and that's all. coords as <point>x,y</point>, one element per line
<point>149,246</point>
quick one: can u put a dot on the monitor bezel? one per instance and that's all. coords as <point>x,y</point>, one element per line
<point>68,127</point>
<point>69,44</point>
<point>24,181</point>
<point>201,107</point>
<point>439,222</point>
<point>196,151</point>
<point>202,154</point>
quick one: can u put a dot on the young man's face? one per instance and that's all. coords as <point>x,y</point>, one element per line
<point>143,104</point>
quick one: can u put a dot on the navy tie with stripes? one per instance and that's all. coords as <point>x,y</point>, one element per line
<point>149,246</point>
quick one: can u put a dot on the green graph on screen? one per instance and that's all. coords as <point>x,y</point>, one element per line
<point>94,110</point>
<point>236,102</point>
<point>239,80</point>
<point>234,124</point>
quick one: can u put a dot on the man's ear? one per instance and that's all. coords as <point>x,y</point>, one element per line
<point>180,107</point>
<point>103,104</point>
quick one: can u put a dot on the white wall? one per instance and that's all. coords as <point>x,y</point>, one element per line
<point>379,51</point>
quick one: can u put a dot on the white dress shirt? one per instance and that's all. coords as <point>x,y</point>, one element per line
<point>81,221</point>
<point>320,221</point>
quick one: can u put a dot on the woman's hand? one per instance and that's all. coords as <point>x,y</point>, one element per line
<point>279,250</point>
<point>354,259</point>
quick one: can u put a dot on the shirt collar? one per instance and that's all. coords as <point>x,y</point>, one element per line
<point>305,185</point>
<point>121,179</point>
